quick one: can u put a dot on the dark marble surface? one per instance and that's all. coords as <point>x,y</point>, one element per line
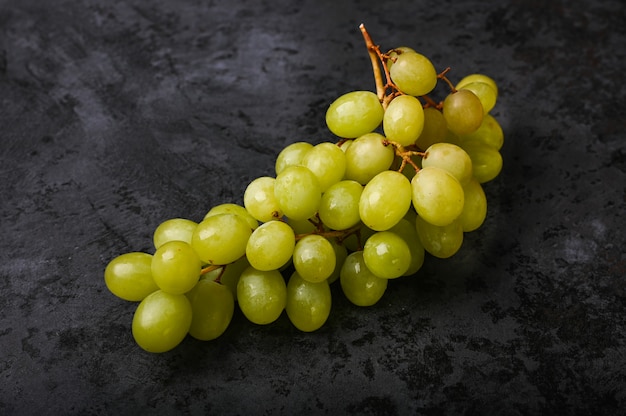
<point>118,115</point>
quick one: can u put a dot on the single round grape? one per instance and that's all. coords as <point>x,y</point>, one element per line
<point>485,93</point>
<point>262,295</point>
<point>176,267</point>
<point>221,238</point>
<point>367,156</point>
<point>489,133</point>
<point>341,253</point>
<point>395,52</point>
<point>298,192</point>
<point>260,200</point>
<point>403,121</point>
<point>308,303</point>
<point>413,74</point>
<point>354,114</point>
<point>129,276</point>
<point>212,306</point>
<point>291,155</point>
<point>385,200</point>
<point>161,321</point>
<point>387,255</point>
<point>339,207</point>
<point>463,112</point>
<point>407,231</point>
<point>477,78</point>
<point>435,129</point>
<point>486,161</point>
<point>314,258</point>
<point>229,208</point>
<point>437,195</point>
<point>180,229</point>
<point>442,242</point>
<point>271,246</point>
<point>451,158</point>
<point>327,161</point>
<point>358,283</point>
<point>475,206</point>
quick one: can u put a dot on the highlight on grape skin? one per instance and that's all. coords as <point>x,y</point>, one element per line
<point>400,178</point>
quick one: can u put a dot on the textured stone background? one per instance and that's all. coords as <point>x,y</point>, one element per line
<point>117,115</point>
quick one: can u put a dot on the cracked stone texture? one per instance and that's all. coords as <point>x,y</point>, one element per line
<point>118,115</point>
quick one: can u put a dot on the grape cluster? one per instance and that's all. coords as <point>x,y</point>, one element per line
<point>404,178</point>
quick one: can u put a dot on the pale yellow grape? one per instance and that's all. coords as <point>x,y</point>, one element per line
<point>327,162</point>
<point>403,120</point>
<point>413,74</point>
<point>477,78</point>
<point>180,229</point>
<point>435,129</point>
<point>314,258</point>
<point>463,112</point>
<point>385,200</point>
<point>176,267</point>
<point>291,155</point>
<point>230,208</point>
<point>387,255</point>
<point>440,241</point>
<point>308,303</point>
<point>367,156</point>
<point>486,160</point>
<point>221,238</point>
<point>437,195</point>
<point>451,158</point>
<point>270,246</point>
<point>298,192</point>
<point>212,306</point>
<point>339,207</point>
<point>489,133</point>
<point>129,276</point>
<point>260,200</point>
<point>262,295</point>
<point>475,206</point>
<point>354,114</point>
<point>395,52</point>
<point>485,93</point>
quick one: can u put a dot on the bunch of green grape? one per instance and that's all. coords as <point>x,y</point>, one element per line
<point>403,177</point>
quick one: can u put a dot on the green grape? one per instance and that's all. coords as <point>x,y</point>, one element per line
<point>449,157</point>
<point>260,201</point>
<point>354,114</point>
<point>341,253</point>
<point>413,74</point>
<point>262,295</point>
<point>475,206</point>
<point>442,242</point>
<point>308,303</point>
<point>489,133</point>
<point>271,246</point>
<point>339,207</point>
<point>486,160</point>
<point>435,128</point>
<point>228,275</point>
<point>129,277</point>
<point>406,230</point>
<point>179,229</point>
<point>298,192</point>
<point>463,112</point>
<point>176,267</point>
<point>395,52</point>
<point>437,195</point>
<point>387,255</point>
<point>485,93</point>
<point>229,208</point>
<point>221,238</point>
<point>212,306</point>
<point>291,155</point>
<point>327,161</point>
<point>161,321</point>
<point>385,200</point>
<point>358,283</point>
<point>477,78</point>
<point>314,258</point>
<point>367,156</point>
<point>403,121</point>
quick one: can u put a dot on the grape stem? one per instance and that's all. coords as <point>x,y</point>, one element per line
<point>405,154</point>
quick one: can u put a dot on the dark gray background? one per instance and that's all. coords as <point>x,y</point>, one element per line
<point>118,115</point>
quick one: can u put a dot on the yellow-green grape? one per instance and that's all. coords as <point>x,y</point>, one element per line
<point>413,74</point>
<point>129,276</point>
<point>403,120</point>
<point>260,201</point>
<point>463,112</point>
<point>442,242</point>
<point>475,206</point>
<point>298,192</point>
<point>485,93</point>
<point>385,200</point>
<point>435,129</point>
<point>229,274</point>
<point>367,156</point>
<point>477,78</point>
<point>262,295</point>
<point>489,133</point>
<point>407,231</point>
<point>437,195</point>
<point>270,246</point>
<point>341,253</point>
<point>314,258</point>
<point>354,114</point>
<point>176,267</point>
<point>212,306</point>
<point>387,255</point>
<point>486,161</point>
<point>327,162</point>
<point>229,208</point>
<point>161,321</point>
<point>308,303</point>
<point>180,229</point>
<point>451,158</point>
<point>358,283</point>
<point>395,52</point>
<point>339,207</point>
<point>221,238</point>
<point>291,155</point>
